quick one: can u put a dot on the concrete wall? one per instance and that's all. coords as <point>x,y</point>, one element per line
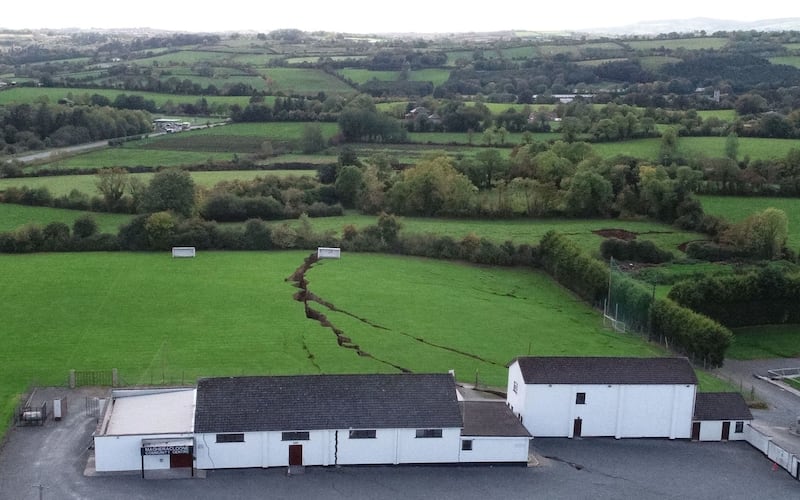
<point>124,453</point>
<point>764,443</point>
<point>549,410</point>
<point>495,449</point>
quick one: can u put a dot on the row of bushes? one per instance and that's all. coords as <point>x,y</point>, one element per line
<point>162,230</point>
<point>634,251</point>
<point>689,332</point>
<point>83,236</point>
<point>564,260</point>
<point>716,252</point>
<point>231,208</point>
<point>768,296</point>
<point>630,301</point>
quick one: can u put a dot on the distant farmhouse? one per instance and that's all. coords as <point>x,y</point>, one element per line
<point>294,421</point>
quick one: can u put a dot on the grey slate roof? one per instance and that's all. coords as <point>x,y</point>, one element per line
<point>313,402</point>
<point>721,406</point>
<point>490,418</point>
<point>605,370</point>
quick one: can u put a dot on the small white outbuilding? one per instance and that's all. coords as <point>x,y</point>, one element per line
<point>603,396</point>
<point>720,416</point>
<point>146,430</point>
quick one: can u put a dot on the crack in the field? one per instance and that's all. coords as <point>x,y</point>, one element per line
<point>310,355</point>
<point>298,277</point>
<point>305,295</point>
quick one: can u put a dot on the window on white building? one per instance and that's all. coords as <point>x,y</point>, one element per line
<point>580,398</point>
<point>514,387</point>
<point>363,434</point>
<point>294,436</point>
<point>466,445</point>
<point>230,438</point>
<point>739,428</point>
<point>429,433</point>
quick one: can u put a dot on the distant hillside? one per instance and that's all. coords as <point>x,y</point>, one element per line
<point>699,24</point>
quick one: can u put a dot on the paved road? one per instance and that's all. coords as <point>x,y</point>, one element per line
<point>55,456</point>
<point>78,148</point>
<point>784,406</point>
<point>44,155</point>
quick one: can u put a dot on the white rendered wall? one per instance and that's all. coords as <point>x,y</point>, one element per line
<point>657,411</point>
<point>495,449</point>
<point>381,450</point>
<point>616,410</point>
<point>213,455</point>
<point>711,430</point>
<point>516,400</point>
<point>414,450</point>
<point>391,446</point>
<point>315,449</point>
<point>124,453</point>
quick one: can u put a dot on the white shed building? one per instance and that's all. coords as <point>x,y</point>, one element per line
<point>341,419</point>
<point>492,433</point>
<point>603,396</point>
<point>146,430</point>
<point>720,416</point>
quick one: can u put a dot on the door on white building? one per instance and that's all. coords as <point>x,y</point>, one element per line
<point>726,430</point>
<point>695,431</point>
<point>576,427</point>
<point>295,454</point>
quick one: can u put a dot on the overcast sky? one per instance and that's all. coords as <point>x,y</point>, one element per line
<point>352,16</point>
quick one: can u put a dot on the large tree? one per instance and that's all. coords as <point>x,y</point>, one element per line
<point>112,182</point>
<point>171,189</point>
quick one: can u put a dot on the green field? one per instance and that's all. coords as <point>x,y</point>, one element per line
<point>15,216</point>
<point>128,156</point>
<point>364,75</point>
<point>158,319</point>
<point>737,208</point>
<point>712,147</point>
<point>679,43</point>
<point>303,81</point>
<point>191,147</point>
<point>20,95</point>
<point>727,115</point>
<point>788,60</point>
<point>520,231</point>
<point>769,341</point>
<point>62,184</point>
<point>654,63</point>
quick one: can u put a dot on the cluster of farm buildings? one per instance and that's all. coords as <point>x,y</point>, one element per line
<point>295,421</point>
